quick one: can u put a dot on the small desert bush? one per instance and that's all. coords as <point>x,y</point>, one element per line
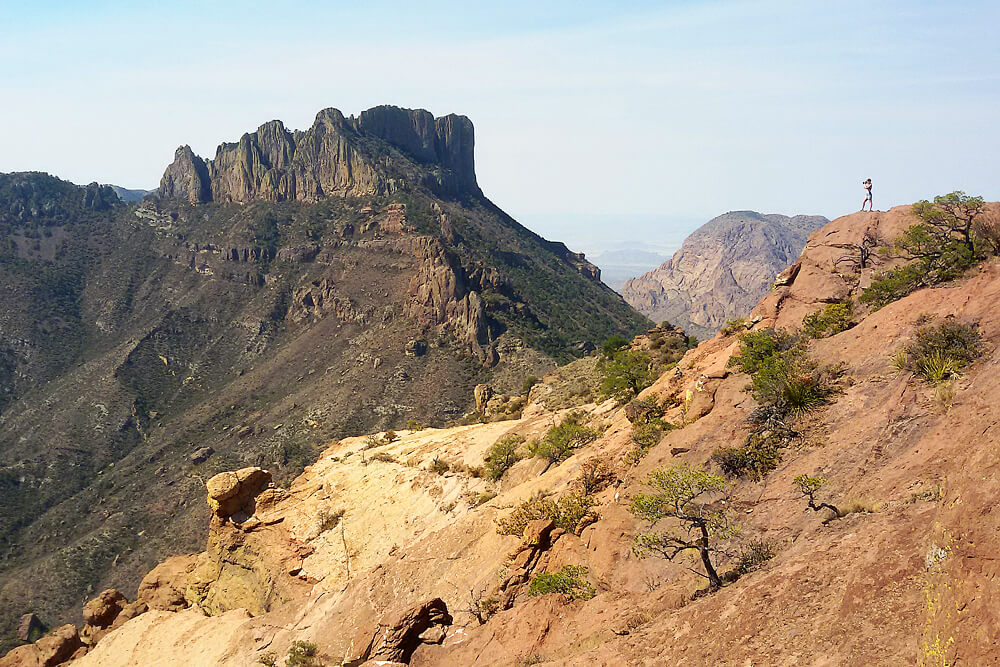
<point>734,326</point>
<point>938,353</point>
<point>439,466</point>
<point>302,654</point>
<point>384,457</point>
<point>753,554</point>
<point>528,383</point>
<point>414,425</point>
<point>328,519</point>
<point>892,285</point>
<point>645,437</point>
<point>861,506</point>
<point>389,436</point>
<point>929,494</point>
<point>643,410</point>
<point>565,513</point>
<point>501,456</point>
<point>625,374</point>
<point>571,580</point>
<point>595,476</point>
<point>476,499</point>
<point>755,459</point>
<point>759,347</point>
<point>560,441</point>
<point>828,321</point>
<point>781,373</point>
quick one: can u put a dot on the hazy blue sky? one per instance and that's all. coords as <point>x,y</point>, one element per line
<point>596,122</point>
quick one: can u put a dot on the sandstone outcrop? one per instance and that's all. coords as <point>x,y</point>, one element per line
<point>398,634</point>
<point>232,494</point>
<point>333,157</point>
<point>164,586</point>
<point>722,270</point>
<point>55,648</point>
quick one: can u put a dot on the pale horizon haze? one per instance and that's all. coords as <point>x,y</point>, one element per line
<point>599,124</point>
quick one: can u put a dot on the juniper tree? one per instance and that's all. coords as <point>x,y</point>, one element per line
<point>692,500</point>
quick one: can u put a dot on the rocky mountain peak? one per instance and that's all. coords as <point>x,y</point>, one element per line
<point>384,149</point>
<point>721,271</point>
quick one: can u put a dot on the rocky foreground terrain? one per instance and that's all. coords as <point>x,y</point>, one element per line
<point>396,549</point>
<point>722,270</point>
<point>300,287</point>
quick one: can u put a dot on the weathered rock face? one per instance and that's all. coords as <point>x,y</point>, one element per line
<point>232,494</point>
<point>186,178</point>
<point>395,637</point>
<point>333,157</point>
<point>722,270</point>
<point>164,586</point>
<point>29,628</point>
<point>441,294</point>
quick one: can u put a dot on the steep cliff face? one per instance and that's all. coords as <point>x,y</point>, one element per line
<point>373,154</point>
<point>379,553</point>
<point>721,270</point>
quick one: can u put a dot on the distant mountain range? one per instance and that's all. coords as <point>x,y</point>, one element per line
<point>722,270</point>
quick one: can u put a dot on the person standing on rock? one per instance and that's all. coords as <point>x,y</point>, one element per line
<point>868,197</point>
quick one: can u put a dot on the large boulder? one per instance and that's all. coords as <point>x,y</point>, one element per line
<point>30,628</point>
<point>163,587</point>
<point>398,634</point>
<point>102,610</point>
<point>53,649</point>
<point>231,494</point>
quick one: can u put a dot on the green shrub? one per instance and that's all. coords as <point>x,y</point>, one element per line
<point>645,436</point>
<point>938,353</point>
<point>753,554</point>
<point>565,513</point>
<point>570,580</point>
<point>734,326</point>
<point>528,383</point>
<point>954,340</point>
<point>892,285</point>
<point>595,476</point>
<point>501,456</point>
<point>269,659</point>
<point>625,374</point>
<point>560,441</point>
<point>302,654</point>
<point>828,321</point>
<point>791,382</point>
<point>612,345</point>
<point>439,466</point>
<point>760,346</point>
<point>754,460</point>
